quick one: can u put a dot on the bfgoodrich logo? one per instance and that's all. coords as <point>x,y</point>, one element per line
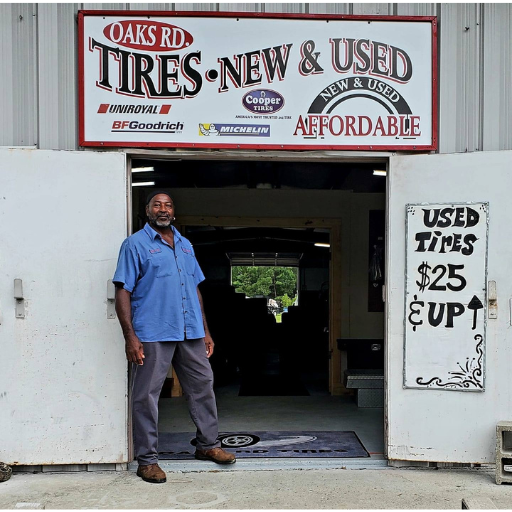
<point>138,127</point>
<point>223,130</point>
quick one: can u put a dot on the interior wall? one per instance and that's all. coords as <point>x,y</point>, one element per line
<point>362,324</point>
<point>353,210</point>
<point>313,278</point>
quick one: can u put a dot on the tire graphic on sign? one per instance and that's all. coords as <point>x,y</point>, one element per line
<point>360,87</point>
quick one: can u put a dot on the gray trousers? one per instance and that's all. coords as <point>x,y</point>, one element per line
<point>196,378</point>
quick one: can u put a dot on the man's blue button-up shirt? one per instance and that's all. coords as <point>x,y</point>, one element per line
<point>163,285</point>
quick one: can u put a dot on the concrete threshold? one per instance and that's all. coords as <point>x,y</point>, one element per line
<point>273,464</point>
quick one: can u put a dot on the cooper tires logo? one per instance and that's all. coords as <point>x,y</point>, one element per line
<point>263,101</point>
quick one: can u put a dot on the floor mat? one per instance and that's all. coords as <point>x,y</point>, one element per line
<point>283,444</point>
<point>273,385</point>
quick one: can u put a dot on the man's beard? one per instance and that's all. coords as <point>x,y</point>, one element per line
<point>160,222</point>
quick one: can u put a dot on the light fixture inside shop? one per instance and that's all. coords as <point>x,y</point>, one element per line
<point>143,184</point>
<point>143,169</point>
<point>379,173</point>
<point>319,244</point>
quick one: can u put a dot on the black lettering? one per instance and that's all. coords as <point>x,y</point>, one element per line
<point>274,60</point>
<point>427,220</point>
<point>422,238</point>
<point>227,68</point>
<point>349,50</point>
<point>170,66</point>
<point>395,52</point>
<point>252,64</point>
<point>452,274</point>
<point>143,65</point>
<point>446,240</point>
<point>376,70</point>
<point>456,247</point>
<point>192,74</point>
<point>459,217</point>
<point>434,286</point>
<point>104,68</point>
<point>445,213</point>
<point>454,309</point>
<point>469,240</point>
<point>363,57</point>
<point>432,246</point>
<point>124,77</point>
<point>434,320</point>
<point>472,218</point>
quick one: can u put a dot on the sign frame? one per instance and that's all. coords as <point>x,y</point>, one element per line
<point>436,383</point>
<point>433,146</point>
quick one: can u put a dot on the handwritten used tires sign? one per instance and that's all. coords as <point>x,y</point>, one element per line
<point>445,297</point>
<point>150,79</point>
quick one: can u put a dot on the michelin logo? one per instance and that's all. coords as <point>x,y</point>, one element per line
<point>246,130</point>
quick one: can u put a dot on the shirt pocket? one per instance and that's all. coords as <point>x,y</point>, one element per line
<point>161,264</point>
<point>190,263</point>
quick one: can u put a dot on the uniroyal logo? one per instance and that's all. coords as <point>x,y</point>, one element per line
<point>105,108</point>
<point>148,35</point>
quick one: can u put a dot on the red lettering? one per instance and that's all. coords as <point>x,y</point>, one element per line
<point>324,122</point>
<point>415,126</point>
<point>403,130</point>
<point>350,125</point>
<point>301,125</point>
<point>379,126</point>
<point>392,126</point>
<point>331,125</point>
<point>369,125</point>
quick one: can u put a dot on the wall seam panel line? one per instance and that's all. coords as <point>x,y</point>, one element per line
<point>37,80</point>
<point>481,78</point>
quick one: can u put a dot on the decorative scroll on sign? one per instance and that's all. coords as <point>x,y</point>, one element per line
<point>445,296</point>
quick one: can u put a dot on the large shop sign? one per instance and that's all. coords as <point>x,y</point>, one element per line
<point>150,79</point>
<point>445,296</point>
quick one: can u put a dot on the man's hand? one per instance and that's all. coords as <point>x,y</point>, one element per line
<point>209,345</point>
<point>134,350</point>
<point>133,347</point>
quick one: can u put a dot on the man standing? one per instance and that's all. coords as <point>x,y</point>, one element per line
<point>161,313</point>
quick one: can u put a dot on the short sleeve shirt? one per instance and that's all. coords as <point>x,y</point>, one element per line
<point>163,285</point>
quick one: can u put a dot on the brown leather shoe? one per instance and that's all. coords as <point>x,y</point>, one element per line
<point>217,455</point>
<point>152,473</point>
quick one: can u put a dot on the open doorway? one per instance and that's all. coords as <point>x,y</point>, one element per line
<point>267,301</point>
<point>288,375</point>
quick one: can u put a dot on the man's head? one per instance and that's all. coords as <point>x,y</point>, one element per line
<point>160,209</point>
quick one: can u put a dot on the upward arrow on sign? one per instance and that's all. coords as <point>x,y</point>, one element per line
<point>475,304</point>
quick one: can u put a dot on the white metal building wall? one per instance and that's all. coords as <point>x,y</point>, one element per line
<point>38,49</point>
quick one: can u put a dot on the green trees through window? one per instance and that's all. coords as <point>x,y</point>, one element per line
<point>278,283</point>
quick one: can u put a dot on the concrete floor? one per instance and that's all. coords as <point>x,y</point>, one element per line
<point>285,489</point>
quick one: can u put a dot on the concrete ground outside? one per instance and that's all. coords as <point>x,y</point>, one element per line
<point>220,488</point>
